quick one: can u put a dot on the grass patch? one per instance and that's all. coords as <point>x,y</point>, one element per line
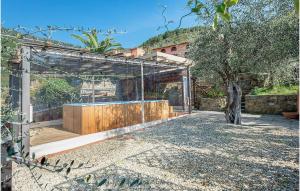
<point>276,90</point>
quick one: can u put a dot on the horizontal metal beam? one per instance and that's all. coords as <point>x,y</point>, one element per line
<point>97,57</point>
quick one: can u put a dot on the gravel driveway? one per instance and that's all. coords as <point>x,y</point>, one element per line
<point>196,152</point>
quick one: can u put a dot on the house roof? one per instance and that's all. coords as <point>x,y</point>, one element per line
<point>169,58</point>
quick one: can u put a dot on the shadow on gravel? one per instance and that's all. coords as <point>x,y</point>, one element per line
<point>233,157</point>
<point>118,178</point>
<point>202,150</point>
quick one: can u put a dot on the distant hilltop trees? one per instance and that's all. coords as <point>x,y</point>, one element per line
<point>168,38</point>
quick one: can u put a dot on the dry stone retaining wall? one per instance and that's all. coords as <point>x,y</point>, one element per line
<point>270,104</point>
<point>212,104</point>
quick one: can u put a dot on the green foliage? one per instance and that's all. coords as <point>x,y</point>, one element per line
<point>195,6</point>
<point>265,42</point>
<point>214,9</point>
<point>10,44</point>
<point>172,37</point>
<point>276,90</point>
<point>296,4</point>
<point>230,3</point>
<point>261,37</point>
<point>215,92</point>
<point>56,91</point>
<point>91,42</point>
<point>8,51</point>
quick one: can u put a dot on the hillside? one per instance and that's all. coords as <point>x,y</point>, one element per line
<point>171,37</point>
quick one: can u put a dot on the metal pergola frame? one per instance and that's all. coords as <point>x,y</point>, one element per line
<point>85,60</point>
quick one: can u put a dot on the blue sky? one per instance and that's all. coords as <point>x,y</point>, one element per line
<point>139,18</point>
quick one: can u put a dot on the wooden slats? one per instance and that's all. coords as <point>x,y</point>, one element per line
<point>96,118</point>
<point>68,118</point>
<point>77,119</point>
<point>99,118</point>
<point>106,124</point>
<point>147,111</point>
<point>85,120</point>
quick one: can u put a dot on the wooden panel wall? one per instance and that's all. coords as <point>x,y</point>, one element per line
<point>91,119</point>
<point>77,120</point>
<point>68,118</point>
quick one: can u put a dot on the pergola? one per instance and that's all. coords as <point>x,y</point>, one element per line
<point>40,59</point>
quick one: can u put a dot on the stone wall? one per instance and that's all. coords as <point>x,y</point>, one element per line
<point>212,104</point>
<point>270,104</point>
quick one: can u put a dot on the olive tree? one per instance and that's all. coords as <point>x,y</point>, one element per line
<point>261,36</point>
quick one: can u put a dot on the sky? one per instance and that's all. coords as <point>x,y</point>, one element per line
<point>139,18</point>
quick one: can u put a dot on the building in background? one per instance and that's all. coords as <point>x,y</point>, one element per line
<point>179,50</point>
<point>137,52</point>
<point>175,49</point>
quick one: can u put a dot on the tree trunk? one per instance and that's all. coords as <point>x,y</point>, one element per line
<point>233,105</point>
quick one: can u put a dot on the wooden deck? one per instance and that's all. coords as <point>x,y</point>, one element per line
<point>42,135</point>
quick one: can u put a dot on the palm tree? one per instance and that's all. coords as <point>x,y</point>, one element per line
<point>91,42</point>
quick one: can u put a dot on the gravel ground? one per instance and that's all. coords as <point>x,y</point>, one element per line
<point>196,152</point>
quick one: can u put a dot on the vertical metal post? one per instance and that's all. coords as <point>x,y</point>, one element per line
<point>25,99</point>
<point>194,91</point>
<point>184,93</point>
<point>93,89</point>
<point>142,92</point>
<point>189,89</point>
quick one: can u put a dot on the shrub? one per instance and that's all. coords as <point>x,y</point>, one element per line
<point>215,92</point>
<point>56,91</point>
<point>276,90</point>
